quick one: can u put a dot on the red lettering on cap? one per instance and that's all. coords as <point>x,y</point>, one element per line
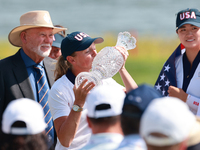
<point>193,15</point>
<point>196,103</point>
<point>80,36</point>
<point>187,15</point>
<point>182,16</point>
<point>83,34</point>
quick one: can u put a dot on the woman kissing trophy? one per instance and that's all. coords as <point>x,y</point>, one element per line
<point>108,61</point>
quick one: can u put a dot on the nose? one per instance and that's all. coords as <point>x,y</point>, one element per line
<point>94,53</point>
<point>189,32</point>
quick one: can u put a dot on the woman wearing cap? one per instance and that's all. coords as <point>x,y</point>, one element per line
<point>187,68</point>
<point>65,100</point>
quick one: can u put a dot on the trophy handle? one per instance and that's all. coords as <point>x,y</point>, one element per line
<point>126,40</point>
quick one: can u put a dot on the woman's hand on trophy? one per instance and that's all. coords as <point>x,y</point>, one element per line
<point>124,53</point>
<point>82,91</point>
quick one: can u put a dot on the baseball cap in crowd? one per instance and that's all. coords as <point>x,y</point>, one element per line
<point>140,98</point>
<point>58,40</point>
<point>171,117</point>
<point>188,16</point>
<point>26,110</point>
<point>77,41</point>
<point>105,101</point>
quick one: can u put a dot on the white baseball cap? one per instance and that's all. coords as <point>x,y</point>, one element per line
<point>171,117</point>
<point>105,101</point>
<point>26,110</point>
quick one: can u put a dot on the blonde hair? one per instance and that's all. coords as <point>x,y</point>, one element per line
<point>62,66</point>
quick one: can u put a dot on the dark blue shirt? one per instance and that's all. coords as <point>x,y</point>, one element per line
<point>31,71</point>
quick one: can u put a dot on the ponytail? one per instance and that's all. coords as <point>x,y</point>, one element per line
<point>61,67</point>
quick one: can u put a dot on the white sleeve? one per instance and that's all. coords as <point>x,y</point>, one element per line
<point>193,103</point>
<point>59,102</point>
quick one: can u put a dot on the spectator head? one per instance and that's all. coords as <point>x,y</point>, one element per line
<point>23,125</point>
<point>135,103</point>
<point>27,111</point>
<point>58,40</point>
<point>56,45</point>
<point>167,123</point>
<point>104,104</point>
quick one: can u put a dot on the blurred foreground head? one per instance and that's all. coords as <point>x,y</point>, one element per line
<point>23,126</point>
<point>167,123</point>
<point>135,103</point>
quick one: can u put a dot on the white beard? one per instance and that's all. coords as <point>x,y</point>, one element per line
<point>40,52</point>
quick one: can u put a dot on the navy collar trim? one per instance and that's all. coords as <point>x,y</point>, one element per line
<point>70,76</point>
<point>188,70</point>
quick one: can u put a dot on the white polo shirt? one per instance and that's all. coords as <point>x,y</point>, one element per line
<point>61,99</point>
<point>103,141</point>
<point>132,142</point>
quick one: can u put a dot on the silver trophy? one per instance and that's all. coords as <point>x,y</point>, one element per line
<point>108,61</point>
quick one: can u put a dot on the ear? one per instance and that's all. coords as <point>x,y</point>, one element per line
<point>70,59</point>
<point>23,36</point>
<point>89,123</point>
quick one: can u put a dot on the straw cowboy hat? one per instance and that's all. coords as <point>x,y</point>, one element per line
<point>29,20</point>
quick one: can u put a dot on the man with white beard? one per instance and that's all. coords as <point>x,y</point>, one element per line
<point>22,73</point>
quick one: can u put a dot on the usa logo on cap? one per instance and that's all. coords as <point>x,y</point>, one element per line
<point>80,36</point>
<point>188,16</point>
